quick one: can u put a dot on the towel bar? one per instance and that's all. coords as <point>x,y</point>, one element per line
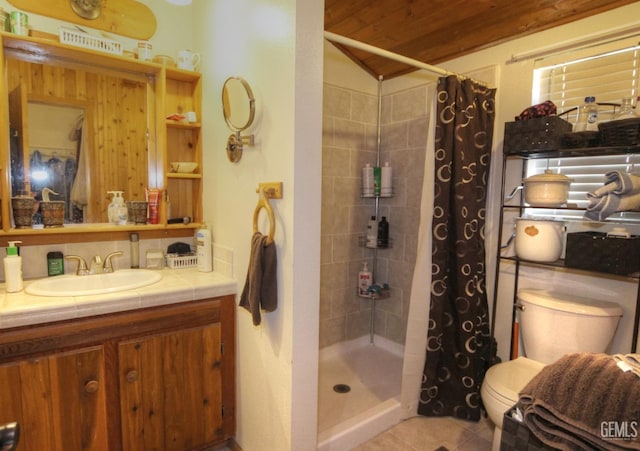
<point>267,191</point>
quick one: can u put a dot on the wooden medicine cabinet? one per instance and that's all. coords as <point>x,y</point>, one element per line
<point>126,130</point>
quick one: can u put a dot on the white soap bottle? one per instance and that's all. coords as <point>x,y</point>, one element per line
<point>13,268</point>
<point>204,249</point>
<point>386,189</point>
<point>367,181</point>
<point>365,279</point>
<point>372,233</point>
<point>117,210</point>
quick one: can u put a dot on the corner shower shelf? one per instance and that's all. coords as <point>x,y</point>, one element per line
<point>362,242</point>
<point>385,293</point>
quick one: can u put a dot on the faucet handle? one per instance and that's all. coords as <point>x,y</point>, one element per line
<point>108,267</point>
<point>82,265</point>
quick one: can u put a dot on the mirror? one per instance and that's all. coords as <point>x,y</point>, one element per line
<point>239,109</point>
<point>80,132</point>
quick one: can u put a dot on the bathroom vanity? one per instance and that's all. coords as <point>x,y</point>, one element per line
<point>151,368</point>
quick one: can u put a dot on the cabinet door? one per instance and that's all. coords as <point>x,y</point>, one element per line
<point>171,390</point>
<point>58,400</point>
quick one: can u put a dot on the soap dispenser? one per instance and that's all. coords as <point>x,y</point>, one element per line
<point>117,210</point>
<point>13,268</point>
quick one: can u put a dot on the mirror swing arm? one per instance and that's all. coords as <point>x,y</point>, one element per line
<point>235,145</point>
<point>234,91</point>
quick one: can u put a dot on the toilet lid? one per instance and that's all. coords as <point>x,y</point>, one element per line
<point>509,378</point>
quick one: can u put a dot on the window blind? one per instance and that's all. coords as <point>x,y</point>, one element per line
<point>610,77</point>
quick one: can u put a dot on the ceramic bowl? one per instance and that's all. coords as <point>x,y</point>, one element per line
<point>185,167</point>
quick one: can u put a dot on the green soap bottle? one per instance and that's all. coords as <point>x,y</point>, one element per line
<point>55,263</point>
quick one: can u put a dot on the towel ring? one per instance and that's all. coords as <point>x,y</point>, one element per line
<point>263,202</point>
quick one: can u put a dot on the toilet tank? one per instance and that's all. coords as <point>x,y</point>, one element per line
<point>554,324</point>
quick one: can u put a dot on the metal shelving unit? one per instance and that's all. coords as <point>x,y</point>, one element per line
<point>519,209</point>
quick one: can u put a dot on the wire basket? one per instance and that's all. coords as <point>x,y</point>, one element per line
<point>77,38</point>
<point>622,132</point>
<point>175,261</point>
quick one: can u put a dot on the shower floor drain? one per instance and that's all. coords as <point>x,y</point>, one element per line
<point>341,388</point>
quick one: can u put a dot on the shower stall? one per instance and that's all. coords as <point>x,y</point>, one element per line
<point>362,340</point>
<point>369,377</point>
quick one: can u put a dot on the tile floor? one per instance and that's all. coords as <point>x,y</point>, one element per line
<point>429,434</point>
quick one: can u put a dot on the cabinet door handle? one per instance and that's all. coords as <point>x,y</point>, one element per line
<point>91,387</point>
<point>132,376</point>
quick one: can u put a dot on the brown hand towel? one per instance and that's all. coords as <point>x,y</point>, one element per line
<point>260,288</point>
<point>583,401</point>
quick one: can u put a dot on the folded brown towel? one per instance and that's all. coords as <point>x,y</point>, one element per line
<point>261,288</point>
<point>583,401</point>
<point>628,362</point>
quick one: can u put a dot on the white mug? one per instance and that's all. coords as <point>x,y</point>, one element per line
<point>144,50</point>
<point>188,60</point>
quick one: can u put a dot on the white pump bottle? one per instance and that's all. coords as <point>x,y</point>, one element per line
<point>13,268</point>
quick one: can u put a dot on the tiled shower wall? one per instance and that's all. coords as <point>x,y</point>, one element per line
<point>349,143</point>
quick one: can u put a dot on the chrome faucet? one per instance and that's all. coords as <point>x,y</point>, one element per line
<point>98,266</point>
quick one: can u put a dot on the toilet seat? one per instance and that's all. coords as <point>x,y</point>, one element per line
<point>505,380</point>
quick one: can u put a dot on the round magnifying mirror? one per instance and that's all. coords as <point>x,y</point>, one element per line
<point>238,104</point>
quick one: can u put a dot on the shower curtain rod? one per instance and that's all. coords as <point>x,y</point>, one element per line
<point>387,54</point>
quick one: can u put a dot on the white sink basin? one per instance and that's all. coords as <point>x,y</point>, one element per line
<point>72,285</point>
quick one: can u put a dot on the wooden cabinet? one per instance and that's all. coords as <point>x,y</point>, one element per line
<point>156,415</point>
<point>129,139</point>
<point>159,378</point>
<point>58,400</point>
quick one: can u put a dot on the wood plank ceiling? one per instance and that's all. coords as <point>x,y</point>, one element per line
<point>433,31</point>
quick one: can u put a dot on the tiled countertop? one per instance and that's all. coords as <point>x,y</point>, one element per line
<point>176,285</point>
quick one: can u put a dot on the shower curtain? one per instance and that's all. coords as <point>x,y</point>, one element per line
<point>458,344</point>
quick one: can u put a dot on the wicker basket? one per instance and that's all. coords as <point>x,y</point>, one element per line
<point>516,436</point>
<point>581,139</point>
<point>623,132</point>
<point>542,133</point>
<point>180,262</point>
<point>77,38</point>
<point>595,251</point>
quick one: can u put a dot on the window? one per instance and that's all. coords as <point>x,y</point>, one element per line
<point>609,76</point>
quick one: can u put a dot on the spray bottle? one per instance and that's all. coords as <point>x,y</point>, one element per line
<point>13,268</point>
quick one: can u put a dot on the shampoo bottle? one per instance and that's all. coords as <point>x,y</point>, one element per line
<point>383,233</point>
<point>364,281</point>
<point>372,233</point>
<point>386,176</point>
<point>367,181</point>
<point>204,250</point>
<point>117,210</point>
<point>13,268</point>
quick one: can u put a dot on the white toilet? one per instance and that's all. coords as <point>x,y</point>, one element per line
<point>551,325</point>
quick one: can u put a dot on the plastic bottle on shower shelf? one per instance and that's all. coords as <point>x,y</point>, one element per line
<point>383,233</point>
<point>386,189</point>
<point>365,279</point>
<point>372,233</point>
<point>587,116</point>
<point>367,181</point>
<point>377,180</point>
